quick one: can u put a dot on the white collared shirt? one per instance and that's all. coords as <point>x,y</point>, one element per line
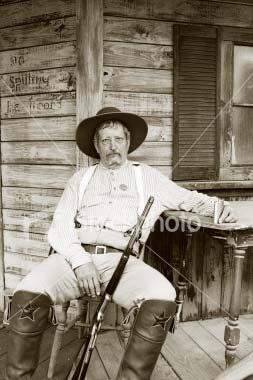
<point>109,209</point>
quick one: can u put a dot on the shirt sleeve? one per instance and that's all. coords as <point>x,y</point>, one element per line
<point>62,235</point>
<point>175,197</point>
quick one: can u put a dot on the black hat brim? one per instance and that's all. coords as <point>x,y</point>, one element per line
<point>86,129</point>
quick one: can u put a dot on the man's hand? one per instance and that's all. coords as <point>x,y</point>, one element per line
<point>228,215</point>
<point>88,279</point>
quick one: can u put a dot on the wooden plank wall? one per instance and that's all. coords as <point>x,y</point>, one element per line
<point>138,63</point>
<point>38,121</point>
<point>210,12</point>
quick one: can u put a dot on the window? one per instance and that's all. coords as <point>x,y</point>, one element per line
<point>236,135</point>
<point>213,103</point>
<point>242,106</point>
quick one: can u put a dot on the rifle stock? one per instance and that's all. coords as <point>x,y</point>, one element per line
<point>80,366</point>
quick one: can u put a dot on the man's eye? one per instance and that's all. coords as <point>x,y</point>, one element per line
<point>119,139</point>
<point>105,141</point>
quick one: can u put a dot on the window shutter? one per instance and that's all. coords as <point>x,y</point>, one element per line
<point>195,104</point>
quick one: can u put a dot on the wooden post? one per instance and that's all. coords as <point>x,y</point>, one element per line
<point>232,330</point>
<point>2,283</point>
<point>89,87</point>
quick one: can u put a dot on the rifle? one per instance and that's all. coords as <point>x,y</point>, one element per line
<point>80,366</point>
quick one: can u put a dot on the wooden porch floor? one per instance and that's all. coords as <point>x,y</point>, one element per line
<point>194,352</point>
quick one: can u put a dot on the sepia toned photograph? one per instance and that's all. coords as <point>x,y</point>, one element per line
<point>126,189</point>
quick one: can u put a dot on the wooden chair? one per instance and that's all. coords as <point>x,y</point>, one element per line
<point>83,321</point>
<point>86,306</point>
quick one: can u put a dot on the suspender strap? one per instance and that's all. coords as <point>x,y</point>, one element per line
<point>84,183</point>
<point>139,185</point>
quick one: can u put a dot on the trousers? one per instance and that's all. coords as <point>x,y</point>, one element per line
<point>55,278</point>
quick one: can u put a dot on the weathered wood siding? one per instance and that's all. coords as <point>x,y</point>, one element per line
<point>138,72</point>
<point>38,121</point>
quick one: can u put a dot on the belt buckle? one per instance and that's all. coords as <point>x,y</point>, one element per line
<point>100,248</point>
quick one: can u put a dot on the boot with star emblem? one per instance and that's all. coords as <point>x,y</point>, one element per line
<point>28,319</point>
<point>154,319</point>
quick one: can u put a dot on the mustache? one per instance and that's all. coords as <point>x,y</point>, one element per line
<point>113,154</point>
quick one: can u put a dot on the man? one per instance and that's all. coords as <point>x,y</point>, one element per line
<point>99,207</point>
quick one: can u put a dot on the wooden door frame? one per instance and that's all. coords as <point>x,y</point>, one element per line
<point>2,279</point>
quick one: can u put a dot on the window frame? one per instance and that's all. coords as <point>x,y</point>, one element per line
<point>230,37</point>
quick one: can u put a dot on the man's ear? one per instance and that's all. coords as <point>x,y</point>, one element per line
<point>95,145</point>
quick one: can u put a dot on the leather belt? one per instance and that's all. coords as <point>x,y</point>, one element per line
<point>99,249</point>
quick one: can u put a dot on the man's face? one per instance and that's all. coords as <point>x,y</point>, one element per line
<point>112,146</point>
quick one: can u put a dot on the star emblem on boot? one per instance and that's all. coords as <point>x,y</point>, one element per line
<point>161,321</point>
<point>27,312</point>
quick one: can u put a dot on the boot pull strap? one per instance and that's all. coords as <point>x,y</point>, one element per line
<point>137,305</point>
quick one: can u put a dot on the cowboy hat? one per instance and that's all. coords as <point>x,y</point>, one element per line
<point>86,129</point>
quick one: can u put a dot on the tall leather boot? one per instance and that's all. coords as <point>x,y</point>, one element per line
<point>28,319</point>
<point>154,319</point>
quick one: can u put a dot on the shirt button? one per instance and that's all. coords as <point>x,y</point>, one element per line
<point>110,202</point>
<point>114,188</point>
